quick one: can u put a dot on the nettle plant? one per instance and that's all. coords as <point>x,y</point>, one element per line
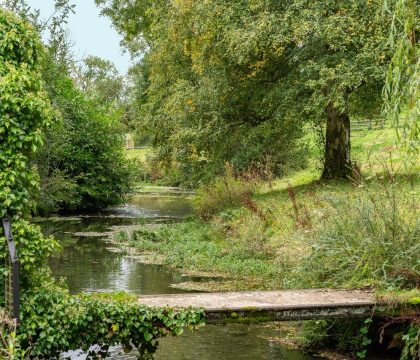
<point>51,320</point>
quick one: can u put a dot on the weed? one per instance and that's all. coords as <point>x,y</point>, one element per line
<point>226,192</point>
<point>369,238</point>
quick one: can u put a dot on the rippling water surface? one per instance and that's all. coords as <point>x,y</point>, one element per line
<point>89,263</point>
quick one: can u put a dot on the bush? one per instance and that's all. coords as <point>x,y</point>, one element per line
<point>55,322</point>
<point>24,111</point>
<point>224,192</point>
<point>34,249</point>
<point>57,191</point>
<point>82,164</point>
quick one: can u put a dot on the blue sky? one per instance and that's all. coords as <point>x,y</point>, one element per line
<point>92,34</point>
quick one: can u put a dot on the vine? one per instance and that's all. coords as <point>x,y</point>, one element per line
<point>51,320</point>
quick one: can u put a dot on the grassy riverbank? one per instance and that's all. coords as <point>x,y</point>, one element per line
<point>314,235</point>
<point>300,232</point>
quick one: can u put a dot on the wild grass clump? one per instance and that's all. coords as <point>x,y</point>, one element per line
<point>371,237</point>
<point>225,192</point>
<point>194,246</point>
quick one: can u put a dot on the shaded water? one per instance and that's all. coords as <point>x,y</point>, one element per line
<point>90,264</point>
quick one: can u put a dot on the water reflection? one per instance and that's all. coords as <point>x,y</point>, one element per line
<point>152,207</point>
<point>228,342</point>
<point>89,264</point>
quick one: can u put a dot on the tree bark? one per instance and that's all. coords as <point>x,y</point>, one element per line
<point>337,163</point>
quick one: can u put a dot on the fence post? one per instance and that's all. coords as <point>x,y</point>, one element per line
<point>11,285</point>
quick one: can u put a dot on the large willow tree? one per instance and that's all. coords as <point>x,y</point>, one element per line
<point>401,91</point>
<point>238,80</point>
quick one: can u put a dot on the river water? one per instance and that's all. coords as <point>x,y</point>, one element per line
<point>89,263</point>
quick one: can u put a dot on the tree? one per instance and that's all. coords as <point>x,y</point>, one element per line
<point>341,55</point>
<point>81,163</point>
<point>225,74</point>
<point>401,91</point>
<point>100,80</point>
<point>203,106</point>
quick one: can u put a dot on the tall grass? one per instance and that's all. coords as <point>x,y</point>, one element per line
<point>370,237</point>
<point>225,192</point>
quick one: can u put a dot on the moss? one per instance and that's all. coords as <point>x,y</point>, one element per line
<point>248,318</point>
<point>414,300</point>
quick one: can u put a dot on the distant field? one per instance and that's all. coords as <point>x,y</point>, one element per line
<point>140,154</point>
<point>370,149</point>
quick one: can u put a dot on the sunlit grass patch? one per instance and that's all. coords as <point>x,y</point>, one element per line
<point>139,154</point>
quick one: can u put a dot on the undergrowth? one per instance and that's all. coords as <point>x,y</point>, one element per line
<point>370,237</point>
<point>54,322</point>
<point>367,237</point>
<point>360,234</point>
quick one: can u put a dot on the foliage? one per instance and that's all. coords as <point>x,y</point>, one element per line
<point>100,80</point>
<point>240,86</point>
<point>34,249</point>
<point>223,193</point>
<point>82,164</point>
<point>194,246</point>
<point>364,340</point>
<point>58,191</point>
<point>9,345</point>
<point>411,340</point>
<point>367,239</point>
<point>54,322</point>
<point>348,336</point>
<point>401,91</point>
<point>24,111</point>
<point>202,109</point>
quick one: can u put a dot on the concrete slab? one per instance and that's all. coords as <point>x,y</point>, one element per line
<point>278,305</point>
<point>262,299</point>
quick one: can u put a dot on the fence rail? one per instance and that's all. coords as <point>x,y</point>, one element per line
<point>368,124</point>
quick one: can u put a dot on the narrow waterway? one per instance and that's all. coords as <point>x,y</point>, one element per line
<point>89,263</point>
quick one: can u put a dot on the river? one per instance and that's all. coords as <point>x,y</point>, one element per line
<point>89,263</point>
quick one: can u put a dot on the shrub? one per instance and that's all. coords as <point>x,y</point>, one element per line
<point>82,164</point>
<point>224,192</point>
<point>24,111</point>
<point>34,249</point>
<point>54,322</point>
<point>57,191</point>
<point>24,114</point>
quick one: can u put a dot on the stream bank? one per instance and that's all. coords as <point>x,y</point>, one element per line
<point>89,263</point>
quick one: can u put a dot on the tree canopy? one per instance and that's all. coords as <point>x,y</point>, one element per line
<point>238,81</point>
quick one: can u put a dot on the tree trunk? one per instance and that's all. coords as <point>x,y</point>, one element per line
<point>337,162</point>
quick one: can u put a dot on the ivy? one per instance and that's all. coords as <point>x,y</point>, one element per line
<point>24,112</point>
<point>58,322</point>
<point>53,321</point>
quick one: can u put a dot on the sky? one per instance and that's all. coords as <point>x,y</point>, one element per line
<point>91,33</point>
